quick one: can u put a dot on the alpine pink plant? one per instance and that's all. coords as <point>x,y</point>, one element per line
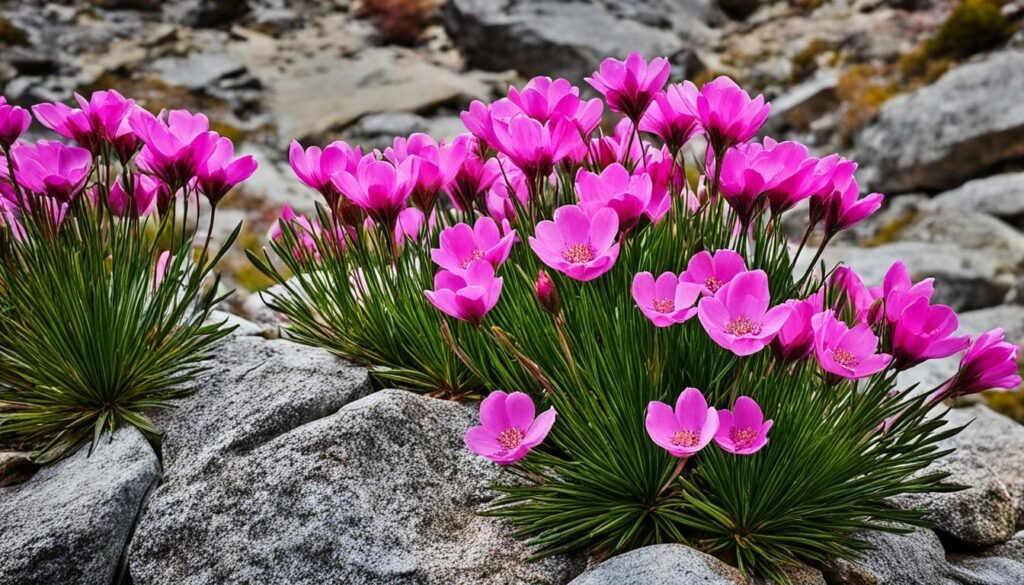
<point>379,187</point>
<point>103,119</point>
<point>52,169</point>
<point>579,245</point>
<point>460,245</point>
<point>846,352</point>
<point>840,205</point>
<point>433,165</point>
<point>899,291</point>
<point>990,363</point>
<point>925,332</point>
<point>221,171</point>
<point>475,177</point>
<point>630,86</point>
<point>314,166</point>
<point>672,116</point>
<point>742,430</point>
<point>737,317</point>
<point>615,188</point>
<point>665,301</point>
<point>544,98</point>
<point>143,194</point>
<point>687,429</point>
<point>13,123</point>
<point>728,115</point>
<point>173,148</point>
<point>467,296</point>
<point>713,272</point>
<point>795,339</point>
<point>536,147</point>
<point>509,427</point>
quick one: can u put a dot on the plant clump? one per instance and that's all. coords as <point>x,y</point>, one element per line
<point>699,378</point>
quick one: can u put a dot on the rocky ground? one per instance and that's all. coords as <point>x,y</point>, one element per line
<point>269,482</point>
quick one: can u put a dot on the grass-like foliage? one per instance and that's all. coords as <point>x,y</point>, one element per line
<point>439,298</point>
<point>105,299</point>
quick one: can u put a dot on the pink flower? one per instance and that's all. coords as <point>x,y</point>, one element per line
<point>845,352</point>
<point>621,147</point>
<point>713,272</point>
<point>52,169</point>
<point>160,271</point>
<point>221,171</point>
<point>666,176</point>
<point>990,363</point>
<point>796,337</point>
<point>474,178</point>
<point>580,246</point>
<point>304,230</point>
<point>665,301</point>
<point>378,187</point>
<point>748,173</point>
<point>857,296</point>
<point>899,291</point>
<point>743,430</point>
<point>174,148</point>
<point>543,99</point>
<point>727,113</point>
<point>409,226</point>
<point>461,245</point>
<point>467,296</point>
<point>738,317</point>
<point>433,165</point>
<point>840,205</point>
<point>686,430</point>
<point>672,115</point>
<point>509,428</point>
<point>144,193</point>
<point>535,147</point>
<point>799,177</point>
<point>628,195</point>
<point>13,123</point>
<point>925,332</point>
<point>314,166</point>
<point>547,294</point>
<point>104,119</point>
<point>630,86</point>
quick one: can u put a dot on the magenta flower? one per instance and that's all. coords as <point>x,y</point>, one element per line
<point>474,178</point>
<point>462,245</point>
<point>52,169</point>
<point>666,176</point>
<point>580,246</point>
<point>738,317</point>
<point>899,291</point>
<point>144,193</point>
<point>630,86</point>
<point>160,271</point>
<point>467,296</point>
<point>795,340</point>
<point>535,147</point>
<point>686,430</point>
<point>221,171</point>
<point>672,116</point>
<point>989,364</point>
<point>409,226</point>
<point>103,119</point>
<point>925,332</point>
<point>547,293</point>
<point>304,230</point>
<point>665,301</point>
<point>13,123</point>
<point>748,173</point>
<point>378,187</point>
<point>840,205</point>
<point>314,166</point>
<point>846,352</point>
<point>800,176</point>
<point>743,430</point>
<point>727,113</point>
<point>628,195</point>
<point>544,99</point>
<point>713,272</point>
<point>433,165</point>
<point>509,428</point>
<point>174,148</point>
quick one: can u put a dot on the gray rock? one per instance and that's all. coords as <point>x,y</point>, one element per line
<point>380,130</point>
<point>198,70</point>
<point>969,120</point>
<point>381,492</point>
<point>243,327</point>
<point>803,104</point>
<point>967,229</point>
<point>72,521</point>
<point>559,39</point>
<point>663,564</point>
<point>998,195</point>
<point>257,311</point>
<point>209,13</point>
<point>965,279</point>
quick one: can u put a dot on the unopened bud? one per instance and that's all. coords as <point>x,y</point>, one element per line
<point>547,294</point>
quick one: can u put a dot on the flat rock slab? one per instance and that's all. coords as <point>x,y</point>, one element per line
<point>663,564</point>
<point>70,523</point>
<point>998,195</point>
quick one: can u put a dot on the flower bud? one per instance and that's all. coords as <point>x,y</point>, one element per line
<point>547,294</point>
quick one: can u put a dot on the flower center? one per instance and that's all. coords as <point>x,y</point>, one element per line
<point>742,437</point>
<point>664,305</point>
<point>685,438</point>
<point>742,326</point>
<point>510,438</point>
<point>476,255</point>
<point>713,284</point>
<point>844,358</point>
<point>578,253</point>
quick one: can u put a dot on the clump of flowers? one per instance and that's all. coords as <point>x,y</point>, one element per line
<point>708,390</point>
<point>106,279</point>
